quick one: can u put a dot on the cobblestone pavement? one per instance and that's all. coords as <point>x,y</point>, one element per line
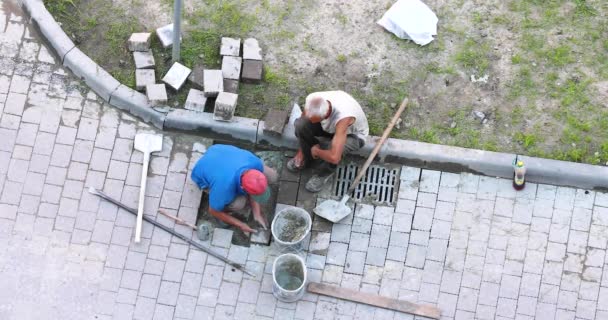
<point>466,243</point>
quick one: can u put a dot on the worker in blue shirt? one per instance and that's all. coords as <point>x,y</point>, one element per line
<point>234,178</point>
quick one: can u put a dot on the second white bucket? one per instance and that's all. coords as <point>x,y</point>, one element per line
<point>288,277</point>
<point>290,226</point>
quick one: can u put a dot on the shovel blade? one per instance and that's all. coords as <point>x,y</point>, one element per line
<point>147,142</point>
<point>332,210</point>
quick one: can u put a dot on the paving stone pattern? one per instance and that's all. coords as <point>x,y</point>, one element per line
<point>469,244</point>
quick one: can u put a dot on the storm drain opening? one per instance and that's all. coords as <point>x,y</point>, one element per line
<point>379,184</point>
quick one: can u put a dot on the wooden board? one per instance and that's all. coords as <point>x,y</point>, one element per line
<point>375,300</point>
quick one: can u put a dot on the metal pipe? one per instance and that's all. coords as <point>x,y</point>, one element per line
<point>177,29</point>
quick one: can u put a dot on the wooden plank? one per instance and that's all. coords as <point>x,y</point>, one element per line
<point>375,300</point>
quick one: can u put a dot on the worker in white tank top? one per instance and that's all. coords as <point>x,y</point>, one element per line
<point>332,124</point>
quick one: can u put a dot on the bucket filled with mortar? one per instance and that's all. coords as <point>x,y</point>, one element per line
<point>290,226</point>
<point>289,277</point>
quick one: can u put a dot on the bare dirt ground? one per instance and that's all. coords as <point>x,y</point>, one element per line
<point>546,63</point>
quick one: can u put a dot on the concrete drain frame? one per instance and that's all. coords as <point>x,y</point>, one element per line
<point>379,186</point>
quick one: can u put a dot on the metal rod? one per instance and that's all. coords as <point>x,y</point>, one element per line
<point>177,29</point>
<point>171,231</point>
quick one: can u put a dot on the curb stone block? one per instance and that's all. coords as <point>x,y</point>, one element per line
<point>49,28</point>
<point>225,104</point>
<point>137,104</point>
<point>165,35</point>
<point>240,129</point>
<point>143,60</point>
<point>213,82</point>
<point>94,76</point>
<point>144,77</point>
<point>157,94</point>
<point>177,75</point>
<point>275,120</point>
<point>196,101</point>
<point>230,47</point>
<point>252,50</point>
<point>252,71</point>
<point>231,86</point>
<point>139,41</point>
<point>196,77</point>
<point>231,67</point>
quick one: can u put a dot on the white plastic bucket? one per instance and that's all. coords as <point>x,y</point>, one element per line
<point>290,226</point>
<point>288,277</point>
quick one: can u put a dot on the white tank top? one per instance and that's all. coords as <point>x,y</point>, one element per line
<point>343,106</point>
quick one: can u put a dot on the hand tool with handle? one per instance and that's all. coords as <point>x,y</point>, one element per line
<point>171,231</point>
<point>146,143</point>
<point>335,211</point>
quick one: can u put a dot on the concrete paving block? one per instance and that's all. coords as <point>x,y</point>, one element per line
<point>231,67</point>
<point>157,94</point>
<point>165,35</point>
<point>143,60</point>
<point>275,120</point>
<point>230,47</point>
<point>196,77</point>
<point>196,101</point>
<point>252,71</point>
<point>222,237</point>
<point>225,104</point>
<point>139,41</point>
<point>213,82</point>
<point>231,86</point>
<point>144,77</point>
<point>252,50</point>
<point>261,237</point>
<point>177,75</point>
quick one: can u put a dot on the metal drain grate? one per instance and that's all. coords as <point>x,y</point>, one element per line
<point>379,183</point>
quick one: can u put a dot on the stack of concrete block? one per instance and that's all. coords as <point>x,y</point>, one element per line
<point>231,63</point>
<point>139,44</point>
<point>252,61</point>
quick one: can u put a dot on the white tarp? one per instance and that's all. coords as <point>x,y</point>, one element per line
<point>412,20</point>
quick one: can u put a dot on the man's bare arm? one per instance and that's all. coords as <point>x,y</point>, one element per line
<point>334,154</point>
<point>230,220</point>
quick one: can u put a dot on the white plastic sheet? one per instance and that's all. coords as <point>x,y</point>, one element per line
<point>412,20</point>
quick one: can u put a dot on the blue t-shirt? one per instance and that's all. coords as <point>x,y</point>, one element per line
<point>220,170</point>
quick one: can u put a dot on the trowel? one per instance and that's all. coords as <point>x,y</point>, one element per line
<point>335,211</point>
<point>146,143</point>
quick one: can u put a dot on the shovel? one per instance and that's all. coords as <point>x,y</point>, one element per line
<point>335,211</point>
<point>146,143</point>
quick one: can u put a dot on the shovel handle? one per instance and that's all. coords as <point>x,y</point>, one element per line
<point>176,219</point>
<point>379,144</point>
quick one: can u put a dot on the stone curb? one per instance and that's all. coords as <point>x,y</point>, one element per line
<point>425,155</point>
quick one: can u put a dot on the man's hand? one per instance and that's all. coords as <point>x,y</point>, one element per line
<point>258,216</point>
<point>314,151</point>
<point>247,230</point>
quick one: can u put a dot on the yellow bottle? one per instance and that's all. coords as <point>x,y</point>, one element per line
<point>519,173</point>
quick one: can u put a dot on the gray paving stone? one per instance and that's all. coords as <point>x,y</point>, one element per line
<point>157,94</point>
<point>423,219</point>
<point>177,75</point>
<point>144,77</point>
<point>231,67</point>
<point>213,82</point>
<point>416,256</point>
<point>222,237</point>
<point>355,262</point>
<point>196,100</point>
<point>252,71</point>
<point>319,242</point>
<point>230,47</point>
<point>380,236</point>
<point>361,225</point>
<point>143,60</point>
<point>251,49</point>
<point>336,253</point>
<point>225,105</point>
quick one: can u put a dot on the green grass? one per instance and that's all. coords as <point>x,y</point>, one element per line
<point>341,58</point>
<point>474,56</point>
<point>201,47</point>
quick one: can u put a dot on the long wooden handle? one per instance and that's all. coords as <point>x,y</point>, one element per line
<point>177,220</point>
<point>379,144</point>
<point>142,197</point>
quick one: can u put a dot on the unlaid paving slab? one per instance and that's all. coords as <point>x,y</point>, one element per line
<point>165,35</point>
<point>139,41</point>
<point>225,104</point>
<point>143,60</point>
<point>213,82</point>
<point>196,100</point>
<point>157,93</point>
<point>230,47</point>
<point>252,71</point>
<point>196,77</point>
<point>231,86</point>
<point>252,50</point>
<point>177,75</point>
<point>144,77</point>
<point>231,67</point>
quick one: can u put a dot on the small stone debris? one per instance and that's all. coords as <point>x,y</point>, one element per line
<point>213,82</point>
<point>177,75</point>
<point>479,115</point>
<point>144,77</point>
<point>252,50</point>
<point>139,41</point>
<point>483,79</point>
<point>252,71</point>
<point>275,120</point>
<point>231,86</point>
<point>157,94</point>
<point>230,47</point>
<point>143,60</point>
<point>165,35</point>
<point>196,77</point>
<point>231,67</point>
<point>225,104</point>
<point>196,101</point>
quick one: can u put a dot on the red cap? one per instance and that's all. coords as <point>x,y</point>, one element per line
<point>254,182</point>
